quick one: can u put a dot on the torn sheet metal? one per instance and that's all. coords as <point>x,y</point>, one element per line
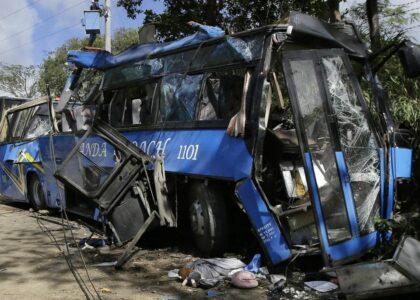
<point>371,280</point>
<point>111,187</point>
<point>384,278</point>
<point>165,211</point>
<point>407,257</point>
<point>265,225</point>
<point>105,60</point>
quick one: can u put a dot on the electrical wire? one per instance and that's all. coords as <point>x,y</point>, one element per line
<point>405,4</point>
<point>40,38</point>
<point>412,27</point>
<point>80,254</point>
<point>42,21</point>
<point>69,262</point>
<point>64,216</point>
<point>400,13</point>
<point>19,10</point>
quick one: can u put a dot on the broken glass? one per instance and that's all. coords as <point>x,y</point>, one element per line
<point>179,97</point>
<point>39,124</point>
<point>323,157</point>
<point>18,121</point>
<point>228,51</point>
<point>357,140</point>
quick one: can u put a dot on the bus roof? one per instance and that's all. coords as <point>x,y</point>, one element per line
<point>301,28</point>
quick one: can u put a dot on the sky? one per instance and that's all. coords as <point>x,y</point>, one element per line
<point>31,29</point>
<point>413,5</point>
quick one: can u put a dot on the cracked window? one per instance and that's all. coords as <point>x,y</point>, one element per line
<point>179,96</point>
<point>39,124</point>
<point>318,138</point>
<point>221,95</point>
<point>357,141</point>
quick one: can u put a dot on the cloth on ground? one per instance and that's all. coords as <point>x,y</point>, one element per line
<point>213,270</point>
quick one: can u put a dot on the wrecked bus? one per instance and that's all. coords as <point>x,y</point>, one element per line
<point>271,120</point>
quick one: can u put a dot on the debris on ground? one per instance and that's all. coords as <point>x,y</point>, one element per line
<point>401,274</point>
<point>244,280</point>
<point>321,286</point>
<point>105,290</point>
<point>209,272</point>
<point>91,243</point>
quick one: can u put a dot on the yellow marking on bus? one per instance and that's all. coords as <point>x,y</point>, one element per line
<point>20,184</point>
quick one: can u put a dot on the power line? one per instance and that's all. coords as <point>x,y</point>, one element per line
<point>400,13</point>
<point>405,4</point>
<point>41,38</point>
<point>42,21</point>
<point>412,27</point>
<point>19,10</point>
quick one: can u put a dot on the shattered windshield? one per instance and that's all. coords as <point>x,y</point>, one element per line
<point>319,141</point>
<point>357,141</point>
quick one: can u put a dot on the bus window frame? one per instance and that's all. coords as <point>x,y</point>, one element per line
<point>28,105</point>
<point>204,124</point>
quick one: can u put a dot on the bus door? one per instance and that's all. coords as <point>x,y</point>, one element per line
<point>342,155</point>
<point>104,167</point>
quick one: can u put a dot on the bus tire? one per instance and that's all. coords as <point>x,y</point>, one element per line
<point>36,193</point>
<point>208,219</point>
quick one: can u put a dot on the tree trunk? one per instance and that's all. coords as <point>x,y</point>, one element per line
<point>212,12</point>
<point>334,11</point>
<point>373,19</point>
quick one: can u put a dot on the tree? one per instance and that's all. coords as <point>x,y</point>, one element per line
<point>404,93</point>
<point>18,80</point>
<point>373,20</point>
<point>53,70</point>
<point>232,15</point>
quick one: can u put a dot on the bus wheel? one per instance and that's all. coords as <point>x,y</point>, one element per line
<point>208,219</point>
<point>35,193</point>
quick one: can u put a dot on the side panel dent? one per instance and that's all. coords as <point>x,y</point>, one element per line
<point>265,225</point>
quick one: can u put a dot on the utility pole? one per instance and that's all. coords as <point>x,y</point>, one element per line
<point>334,10</point>
<point>373,19</point>
<point>107,14</point>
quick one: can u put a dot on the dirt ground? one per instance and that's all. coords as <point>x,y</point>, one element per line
<point>32,266</point>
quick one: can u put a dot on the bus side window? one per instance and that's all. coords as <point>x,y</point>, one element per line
<point>132,106</point>
<point>140,104</point>
<point>4,130</point>
<point>39,124</point>
<point>116,108</point>
<point>222,94</point>
<point>179,96</point>
<point>18,121</point>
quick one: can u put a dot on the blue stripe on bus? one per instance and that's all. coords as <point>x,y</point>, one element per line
<point>348,195</point>
<point>342,250</point>
<point>209,152</point>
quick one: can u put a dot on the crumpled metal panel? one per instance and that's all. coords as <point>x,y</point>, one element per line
<point>407,256</point>
<point>368,279</point>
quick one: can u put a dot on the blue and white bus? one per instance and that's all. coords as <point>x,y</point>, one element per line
<point>270,123</point>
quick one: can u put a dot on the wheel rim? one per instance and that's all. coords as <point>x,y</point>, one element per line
<point>197,218</point>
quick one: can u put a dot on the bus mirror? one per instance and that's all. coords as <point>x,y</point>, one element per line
<point>409,55</point>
